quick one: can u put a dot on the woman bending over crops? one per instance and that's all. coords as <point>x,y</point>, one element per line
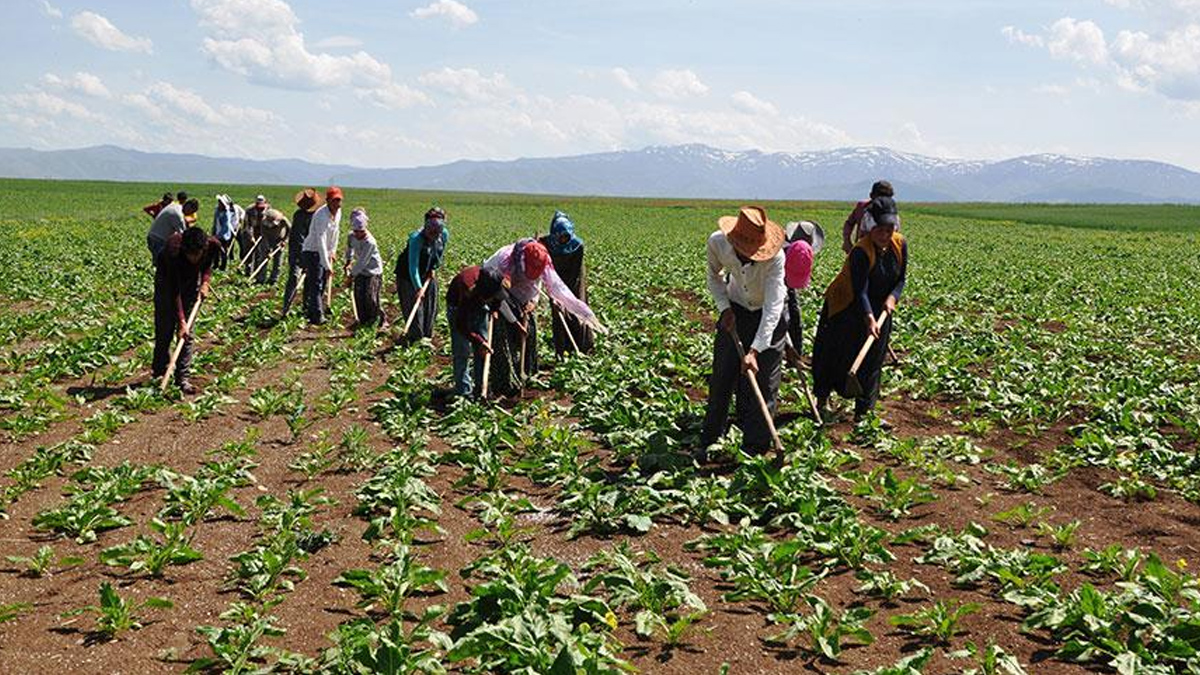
<point>566,252</point>
<point>421,257</point>
<point>526,265</point>
<point>871,282</point>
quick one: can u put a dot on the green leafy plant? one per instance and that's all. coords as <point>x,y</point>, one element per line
<point>115,615</point>
<point>152,556</point>
<point>391,585</point>
<point>896,497</point>
<point>1022,515</point>
<point>640,582</point>
<point>884,584</point>
<point>40,563</point>
<point>939,621</point>
<point>827,633</point>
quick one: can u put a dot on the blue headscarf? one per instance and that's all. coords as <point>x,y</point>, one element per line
<point>561,225</point>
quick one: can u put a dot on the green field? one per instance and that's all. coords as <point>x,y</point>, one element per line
<point>1043,469</point>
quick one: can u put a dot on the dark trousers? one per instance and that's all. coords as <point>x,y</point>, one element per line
<point>727,377</point>
<point>245,240</point>
<point>422,325</point>
<point>366,298</point>
<point>166,322</point>
<point>266,248</point>
<point>314,288</point>
<point>295,264</point>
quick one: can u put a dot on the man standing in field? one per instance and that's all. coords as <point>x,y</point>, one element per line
<point>318,253</point>
<point>852,229</point>
<point>251,232</point>
<point>184,269</point>
<point>746,279</point>
<point>172,219</point>
<point>307,201</point>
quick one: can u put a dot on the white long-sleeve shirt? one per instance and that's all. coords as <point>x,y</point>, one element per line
<point>323,236</point>
<point>754,286</point>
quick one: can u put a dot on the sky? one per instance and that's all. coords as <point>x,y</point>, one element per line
<point>396,83</point>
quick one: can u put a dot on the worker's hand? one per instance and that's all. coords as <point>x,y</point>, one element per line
<point>530,306</point>
<point>183,331</point>
<point>890,304</point>
<point>873,327</point>
<point>204,290</point>
<point>726,321</point>
<point>750,363</point>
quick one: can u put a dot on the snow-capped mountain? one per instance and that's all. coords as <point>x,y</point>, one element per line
<point>696,171</point>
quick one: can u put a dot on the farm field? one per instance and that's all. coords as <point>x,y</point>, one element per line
<point>1036,507</point>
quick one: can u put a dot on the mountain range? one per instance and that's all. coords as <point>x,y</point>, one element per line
<point>684,171</point>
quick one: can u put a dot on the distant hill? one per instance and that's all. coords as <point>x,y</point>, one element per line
<point>695,171</point>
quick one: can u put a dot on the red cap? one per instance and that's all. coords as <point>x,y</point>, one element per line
<point>333,193</point>
<point>536,258</point>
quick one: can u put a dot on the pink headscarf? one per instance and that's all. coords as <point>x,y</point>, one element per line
<point>797,264</point>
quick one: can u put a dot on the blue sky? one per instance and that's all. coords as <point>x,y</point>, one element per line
<point>416,82</point>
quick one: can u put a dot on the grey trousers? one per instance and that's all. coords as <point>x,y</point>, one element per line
<point>727,377</point>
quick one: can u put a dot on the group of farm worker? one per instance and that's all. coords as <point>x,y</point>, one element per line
<point>755,268</point>
<point>489,307</point>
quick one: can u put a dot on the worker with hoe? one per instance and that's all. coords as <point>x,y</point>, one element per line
<point>307,201</point>
<point>746,279</point>
<point>171,220</point>
<point>318,253</point>
<point>249,235</point>
<point>855,227</point>
<point>473,297</point>
<point>525,266</point>
<point>273,230</point>
<point>566,254</point>
<point>364,267</point>
<point>418,261</point>
<point>185,267</point>
<point>870,282</point>
<point>227,220</point>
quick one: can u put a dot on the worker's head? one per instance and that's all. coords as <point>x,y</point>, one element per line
<point>435,223</point>
<point>535,258</point>
<point>489,287</point>
<point>166,198</point>
<point>194,243</point>
<point>882,188</point>
<point>358,223</point>
<point>884,220</point>
<point>191,206</point>
<point>333,199</point>
<point>181,196</point>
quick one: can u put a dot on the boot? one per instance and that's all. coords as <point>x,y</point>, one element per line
<point>186,387</point>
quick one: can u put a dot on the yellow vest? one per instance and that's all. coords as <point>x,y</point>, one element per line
<point>840,293</point>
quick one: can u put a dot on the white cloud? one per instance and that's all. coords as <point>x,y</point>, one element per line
<point>338,42</point>
<point>84,83</point>
<point>469,84</point>
<point>677,84</point>
<point>624,79</point>
<point>749,103</point>
<point>101,32</point>
<point>261,41</point>
<point>394,96</point>
<point>51,11</point>
<point>1019,36</point>
<point>182,108</point>
<point>48,104</point>
<point>1074,40</point>
<point>1167,63</point>
<point>458,14</point>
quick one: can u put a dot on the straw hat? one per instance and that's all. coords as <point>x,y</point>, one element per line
<point>309,199</point>
<point>752,234</point>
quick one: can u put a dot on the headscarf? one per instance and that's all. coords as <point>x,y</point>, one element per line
<point>797,264</point>
<point>359,219</point>
<point>561,225</point>
<point>533,258</point>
